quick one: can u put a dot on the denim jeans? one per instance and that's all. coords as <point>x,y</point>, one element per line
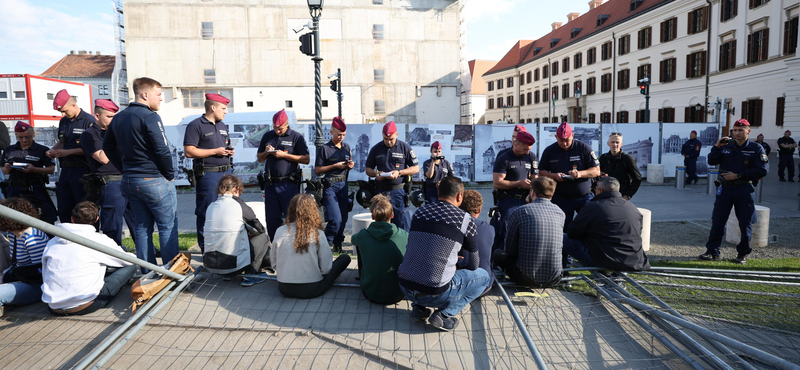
<point>576,248</point>
<point>153,200</point>
<point>465,287</point>
<point>20,294</point>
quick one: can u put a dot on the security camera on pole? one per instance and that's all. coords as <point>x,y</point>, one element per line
<point>644,89</point>
<point>309,45</point>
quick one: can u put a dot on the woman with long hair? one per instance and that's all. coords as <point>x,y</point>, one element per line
<point>300,252</point>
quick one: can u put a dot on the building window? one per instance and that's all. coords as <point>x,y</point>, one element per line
<point>521,99</point>
<point>758,46</point>
<point>529,76</point>
<point>728,9</point>
<point>605,83</point>
<point>605,117</point>
<point>667,70</point>
<point>635,4</point>
<point>249,104</point>
<point>491,86</point>
<point>642,71</point>
<point>591,56</point>
<point>790,36</point>
<point>578,60</point>
<point>102,89</point>
<point>727,55</point>
<point>499,102</point>
<point>554,42</point>
<point>554,92</point>
<point>491,103</point>
<point>544,72</point>
<point>377,2</point>
<point>545,94</point>
<point>591,85</point>
<point>669,30</point>
<point>19,94</point>
<point>601,19</point>
<point>377,31</point>
<point>195,98</point>
<point>698,20</point>
<point>379,75</point>
<point>605,51</point>
<point>207,30</point>
<point>209,76</point>
<point>757,3</point>
<point>565,64</point>
<point>645,38</point>
<point>641,116</point>
<point>545,120</point>
<point>692,114</point>
<point>565,91</point>
<point>521,79</point>
<point>696,64</point>
<point>622,116</point>
<point>574,32</point>
<point>510,82</point>
<point>779,111</point>
<point>577,85</point>
<point>499,84</point>
<point>324,103</point>
<point>536,74</point>
<point>555,68</point>
<point>624,46</point>
<point>666,115</point>
<point>380,107</point>
<point>623,79</point>
<point>536,50</point>
<point>530,101</point>
<point>592,118</point>
<point>289,104</point>
<point>536,97</point>
<point>751,111</point>
<point>509,101</point>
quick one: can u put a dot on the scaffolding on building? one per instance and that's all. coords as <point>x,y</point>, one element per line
<point>119,78</point>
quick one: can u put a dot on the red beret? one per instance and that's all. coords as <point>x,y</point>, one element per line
<point>760,134</point>
<point>61,99</point>
<point>564,131</point>
<point>22,127</point>
<point>280,118</point>
<point>106,104</point>
<point>338,123</point>
<point>436,145</point>
<point>788,132</point>
<point>218,98</point>
<point>693,132</point>
<point>741,123</point>
<point>389,129</point>
<point>519,128</point>
<point>525,137</point>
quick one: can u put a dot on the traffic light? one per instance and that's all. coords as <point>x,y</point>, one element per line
<point>335,85</point>
<point>643,89</point>
<point>643,84</point>
<point>307,43</point>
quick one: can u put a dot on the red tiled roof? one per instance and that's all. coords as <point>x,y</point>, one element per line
<point>617,10</point>
<point>476,69</point>
<point>513,57</point>
<point>86,65</point>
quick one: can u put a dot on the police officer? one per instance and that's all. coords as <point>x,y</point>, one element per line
<point>512,174</point>
<point>434,170</point>
<point>741,164</point>
<point>282,149</point>
<point>690,151</point>
<point>572,164</point>
<point>786,147</point>
<point>517,129</point>
<point>760,140</point>
<point>69,190</point>
<point>334,161</point>
<point>392,162</point>
<point>206,141</point>
<point>27,168</point>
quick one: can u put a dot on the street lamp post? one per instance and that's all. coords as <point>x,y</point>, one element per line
<point>315,9</point>
<point>578,103</point>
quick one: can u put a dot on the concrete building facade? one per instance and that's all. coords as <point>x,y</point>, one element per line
<point>399,59</point>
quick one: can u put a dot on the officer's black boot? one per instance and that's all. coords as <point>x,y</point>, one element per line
<point>337,247</point>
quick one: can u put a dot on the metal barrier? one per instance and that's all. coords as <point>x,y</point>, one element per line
<point>713,174</point>
<point>680,177</point>
<point>536,355</point>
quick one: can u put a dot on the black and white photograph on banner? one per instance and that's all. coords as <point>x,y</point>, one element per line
<point>588,133</point>
<point>361,138</point>
<point>493,139</point>
<point>638,139</point>
<point>421,136</point>
<point>674,135</point>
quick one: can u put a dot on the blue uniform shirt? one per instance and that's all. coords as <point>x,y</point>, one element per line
<point>692,148</point>
<point>749,160</point>
<point>515,167</point>
<point>785,140</point>
<point>70,132</point>
<point>35,155</point>
<point>292,142</point>
<point>91,142</point>
<point>440,171</point>
<point>143,149</point>
<point>555,160</point>
<point>384,159</point>
<point>205,134</point>
<point>329,154</point>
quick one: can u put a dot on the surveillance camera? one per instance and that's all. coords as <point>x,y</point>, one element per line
<point>299,29</point>
<point>332,75</point>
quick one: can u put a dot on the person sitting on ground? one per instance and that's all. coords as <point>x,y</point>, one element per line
<point>534,239</point>
<point>24,286</point>
<point>79,280</point>
<point>380,249</point>
<point>300,253</point>
<point>428,275</point>
<point>608,231</point>
<point>235,240</point>
<point>472,204</point>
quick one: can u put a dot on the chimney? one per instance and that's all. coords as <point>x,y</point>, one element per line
<point>572,16</point>
<point>81,52</point>
<point>72,52</point>
<point>97,53</point>
<point>556,25</point>
<point>595,3</point>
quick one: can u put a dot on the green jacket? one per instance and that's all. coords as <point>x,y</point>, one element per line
<point>381,247</point>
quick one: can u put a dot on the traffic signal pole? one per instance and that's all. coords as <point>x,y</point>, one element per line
<point>318,142</point>
<point>644,89</point>
<point>339,90</point>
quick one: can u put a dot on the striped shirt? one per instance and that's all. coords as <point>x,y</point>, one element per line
<point>29,246</point>
<point>535,234</point>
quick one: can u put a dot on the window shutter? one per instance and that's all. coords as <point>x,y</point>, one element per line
<point>687,114</point>
<point>752,4</point>
<point>732,59</point>
<point>649,36</point>
<point>690,24</point>
<point>779,112</point>
<point>660,114</point>
<point>765,44</point>
<point>786,36</point>
<point>689,65</point>
<point>703,63</point>
<point>750,46</point>
<point>759,104</point>
<point>663,29</point>
<point>661,71</point>
<point>722,57</point>
<point>674,28</point>
<point>735,7</point>
<point>744,111</point>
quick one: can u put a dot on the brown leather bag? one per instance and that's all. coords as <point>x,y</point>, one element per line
<point>149,285</point>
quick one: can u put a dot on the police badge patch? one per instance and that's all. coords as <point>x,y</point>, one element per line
<point>594,155</point>
<point>764,158</point>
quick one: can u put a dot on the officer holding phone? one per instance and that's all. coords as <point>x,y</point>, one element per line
<point>334,160</point>
<point>434,170</point>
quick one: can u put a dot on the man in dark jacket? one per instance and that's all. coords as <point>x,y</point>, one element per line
<point>690,151</point>
<point>608,231</point>
<point>621,166</point>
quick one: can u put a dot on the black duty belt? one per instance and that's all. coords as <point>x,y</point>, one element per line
<point>216,168</point>
<point>72,164</point>
<point>280,179</point>
<point>734,182</point>
<point>390,187</point>
<point>22,183</point>
<point>110,178</point>
<point>505,194</point>
<point>333,179</point>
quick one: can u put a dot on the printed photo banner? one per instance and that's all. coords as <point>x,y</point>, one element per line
<point>674,135</point>
<point>588,133</point>
<point>490,140</point>
<point>456,143</point>
<point>638,139</point>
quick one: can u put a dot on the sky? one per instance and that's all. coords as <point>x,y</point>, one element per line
<point>35,34</point>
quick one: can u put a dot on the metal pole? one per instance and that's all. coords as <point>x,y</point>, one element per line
<point>339,92</point>
<point>61,233</point>
<point>647,100</point>
<point>720,271</point>
<point>680,177</point>
<point>536,356</point>
<point>317,83</point>
<point>759,190</point>
<point>713,174</point>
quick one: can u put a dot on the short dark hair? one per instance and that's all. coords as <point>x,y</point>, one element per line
<point>85,212</point>
<point>229,183</point>
<point>144,83</point>
<point>21,205</point>
<point>210,103</point>
<point>450,186</point>
<point>472,203</point>
<point>544,187</point>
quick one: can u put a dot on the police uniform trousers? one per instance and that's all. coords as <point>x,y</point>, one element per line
<point>69,191</point>
<point>507,206</point>
<point>114,209</point>
<point>205,194</point>
<point>39,195</point>
<point>337,206</point>
<point>276,204</point>
<point>785,161</point>
<point>431,195</point>
<point>397,198</point>
<point>741,197</point>
<point>691,169</point>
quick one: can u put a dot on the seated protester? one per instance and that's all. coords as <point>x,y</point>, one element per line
<point>472,204</point>
<point>79,280</point>
<point>300,253</point>
<point>229,247</point>
<point>428,275</point>
<point>607,232</point>
<point>534,239</point>
<point>20,285</point>
<point>380,249</point>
